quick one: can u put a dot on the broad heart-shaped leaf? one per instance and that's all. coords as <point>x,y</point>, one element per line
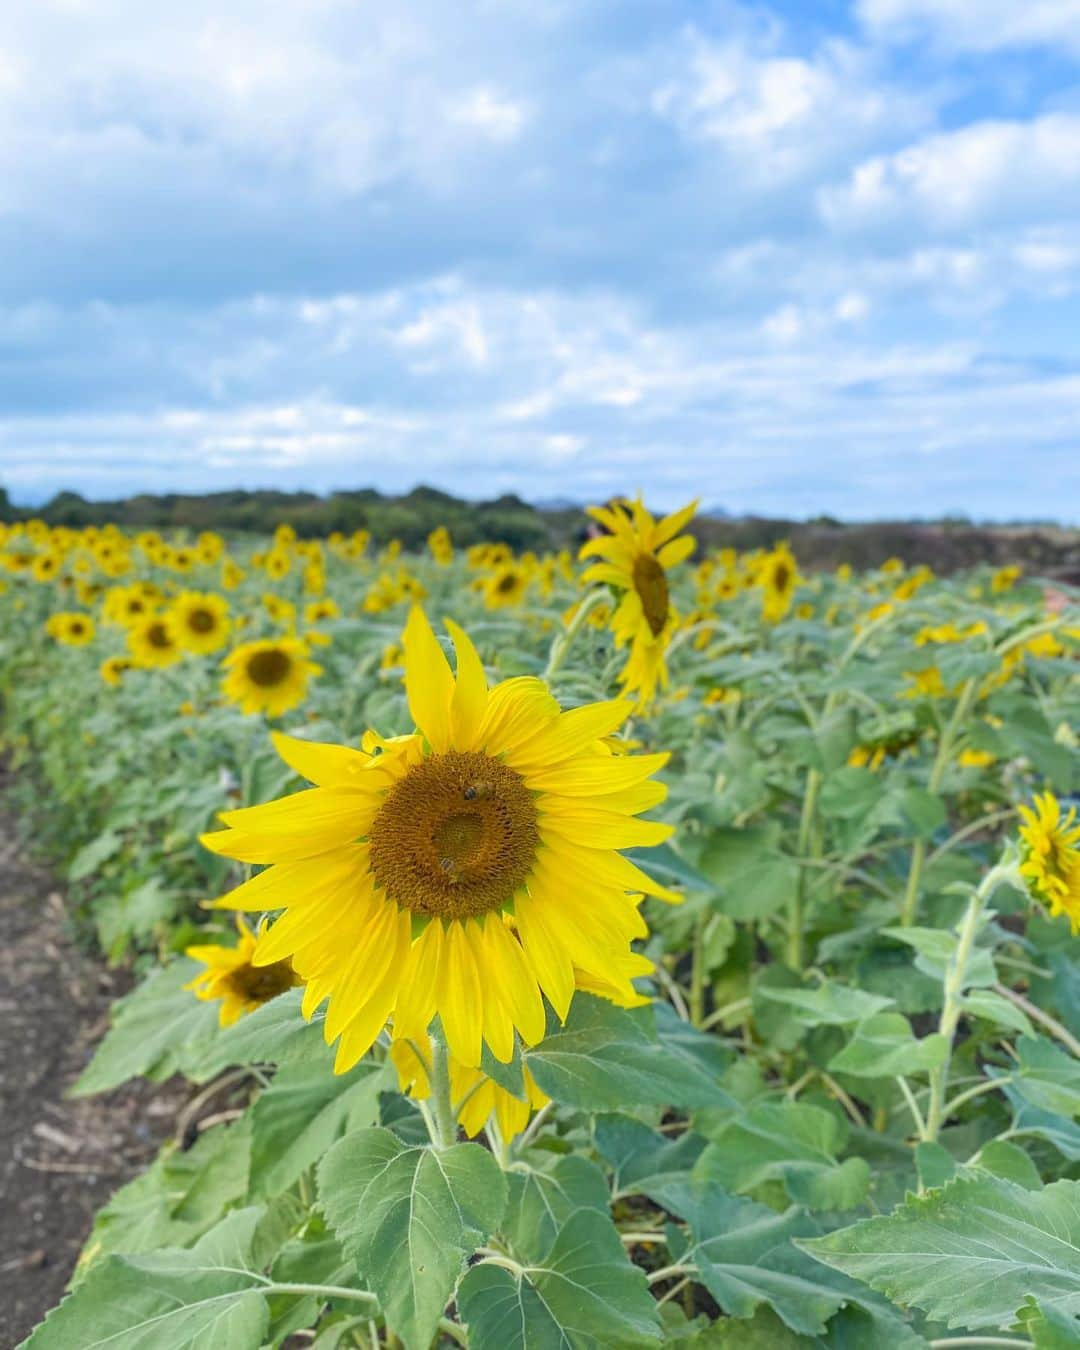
<point>746,1257</point>
<point>792,1142</point>
<point>410,1218</point>
<point>884,1046</point>
<point>543,1194</point>
<point>180,1196</point>
<point>199,1298</point>
<point>305,1110</point>
<point>1048,1077</point>
<point>936,949</point>
<point>641,1158</point>
<point>584,1295</point>
<point>606,1056</point>
<point>157,1029</point>
<point>753,878</point>
<point>276,1033</point>
<point>970,1253</point>
<point>831,1004</point>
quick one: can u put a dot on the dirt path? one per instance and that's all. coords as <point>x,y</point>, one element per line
<point>59,1159</point>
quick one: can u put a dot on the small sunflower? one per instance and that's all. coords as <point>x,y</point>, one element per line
<point>475,1096</point>
<point>47,566</point>
<point>112,670</point>
<point>636,556</point>
<point>199,622</point>
<point>72,629</point>
<point>231,976</point>
<point>778,576</point>
<point>461,870</point>
<point>152,643</point>
<point>319,611</point>
<point>506,586</point>
<point>1050,848</point>
<point>269,676</point>
<point>442,549</point>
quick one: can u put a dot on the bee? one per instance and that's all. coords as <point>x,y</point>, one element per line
<point>479,791</point>
<point>450,868</point>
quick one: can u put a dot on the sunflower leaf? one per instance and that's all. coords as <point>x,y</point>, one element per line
<point>585,1294</point>
<point>410,1218</point>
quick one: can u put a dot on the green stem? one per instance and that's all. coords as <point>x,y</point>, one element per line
<point>697,972</point>
<point>795,911</point>
<point>937,773</point>
<point>442,1107</point>
<point>955,980</point>
<point>561,645</point>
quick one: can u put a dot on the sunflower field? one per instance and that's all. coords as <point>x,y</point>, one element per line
<point>635,948</point>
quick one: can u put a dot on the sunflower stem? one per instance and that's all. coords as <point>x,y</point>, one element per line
<point>697,972</point>
<point>795,911</point>
<point>445,1132</point>
<point>561,646</point>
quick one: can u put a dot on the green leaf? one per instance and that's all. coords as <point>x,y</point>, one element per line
<point>936,949</point>
<point>410,1218</point>
<point>884,1046</point>
<point>1003,1159</point>
<point>746,1258</point>
<point>641,1158</point>
<point>753,878</point>
<point>1048,1077</point>
<point>177,1198</point>
<point>542,1196</point>
<point>934,1163</point>
<point>791,1142</point>
<point>829,1005</point>
<point>305,1110</point>
<point>200,1298</point>
<point>584,1295</point>
<point>1048,1327</point>
<point>276,1033</point>
<point>90,857</point>
<point>157,1030</point>
<point>924,811</point>
<point>995,1008</point>
<point>605,1056</point>
<point>970,1253</point>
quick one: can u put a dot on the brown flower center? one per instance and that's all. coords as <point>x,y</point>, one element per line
<point>650,582</point>
<point>456,837</point>
<point>158,636</point>
<point>269,667</point>
<point>259,984</point>
<point>201,621</point>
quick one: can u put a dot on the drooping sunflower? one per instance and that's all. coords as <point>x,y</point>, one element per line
<point>231,976</point>
<point>269,676</point>
<point>460,870</point>
<point>1050,847</point>
<point>636,556</point>
<point>199,621</point>
<point>152,643</point>
<point>112,670</point>
<point>475,1096</point>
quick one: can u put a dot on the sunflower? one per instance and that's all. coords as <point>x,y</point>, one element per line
<point>475,1096</point>
<point>152,643</point>
<point>199,622</point>
<point>460,870</point>
<point>269,676</point>
<point>635,557</point>
<point>319,610</point>
<point>112,669</point>
<point>277,564</point>
<point>72,629</point>
<point>442,549</point>
<point>231,976</point>
<point>47,566</point>
<point>279,610</point>
<point>777,575</point>
<point>1050,846</point>
<point>506,586</point>
<point>125,605</point>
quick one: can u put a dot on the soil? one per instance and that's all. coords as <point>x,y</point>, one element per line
<point>60,1158</point>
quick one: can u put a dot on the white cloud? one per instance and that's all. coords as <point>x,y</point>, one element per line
<point>989,170</point>
<point>497,117</point>
<point>976,25</point>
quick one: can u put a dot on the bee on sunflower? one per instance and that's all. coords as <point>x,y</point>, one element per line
<point>636,555</point>
<point>1050,857</point>
<point>269,676</point>
<point>232,976</point>
<point>199,621</point>
<point>152,642</point>
<point>463,870</point>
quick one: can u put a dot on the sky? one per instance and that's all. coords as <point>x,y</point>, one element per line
<point>798,257</point>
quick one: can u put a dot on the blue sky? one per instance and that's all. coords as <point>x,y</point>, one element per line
<point>797,257</point>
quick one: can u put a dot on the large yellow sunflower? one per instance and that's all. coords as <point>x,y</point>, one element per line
<point>459,870</point>
<point>231,977</point>
<point>199,621</point>
<point>1050,844</point>
<point>270,676</point>
<point>152,643</point>
<point>636,556</point>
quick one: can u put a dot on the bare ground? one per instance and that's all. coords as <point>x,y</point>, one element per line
<point>60,1159</point>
